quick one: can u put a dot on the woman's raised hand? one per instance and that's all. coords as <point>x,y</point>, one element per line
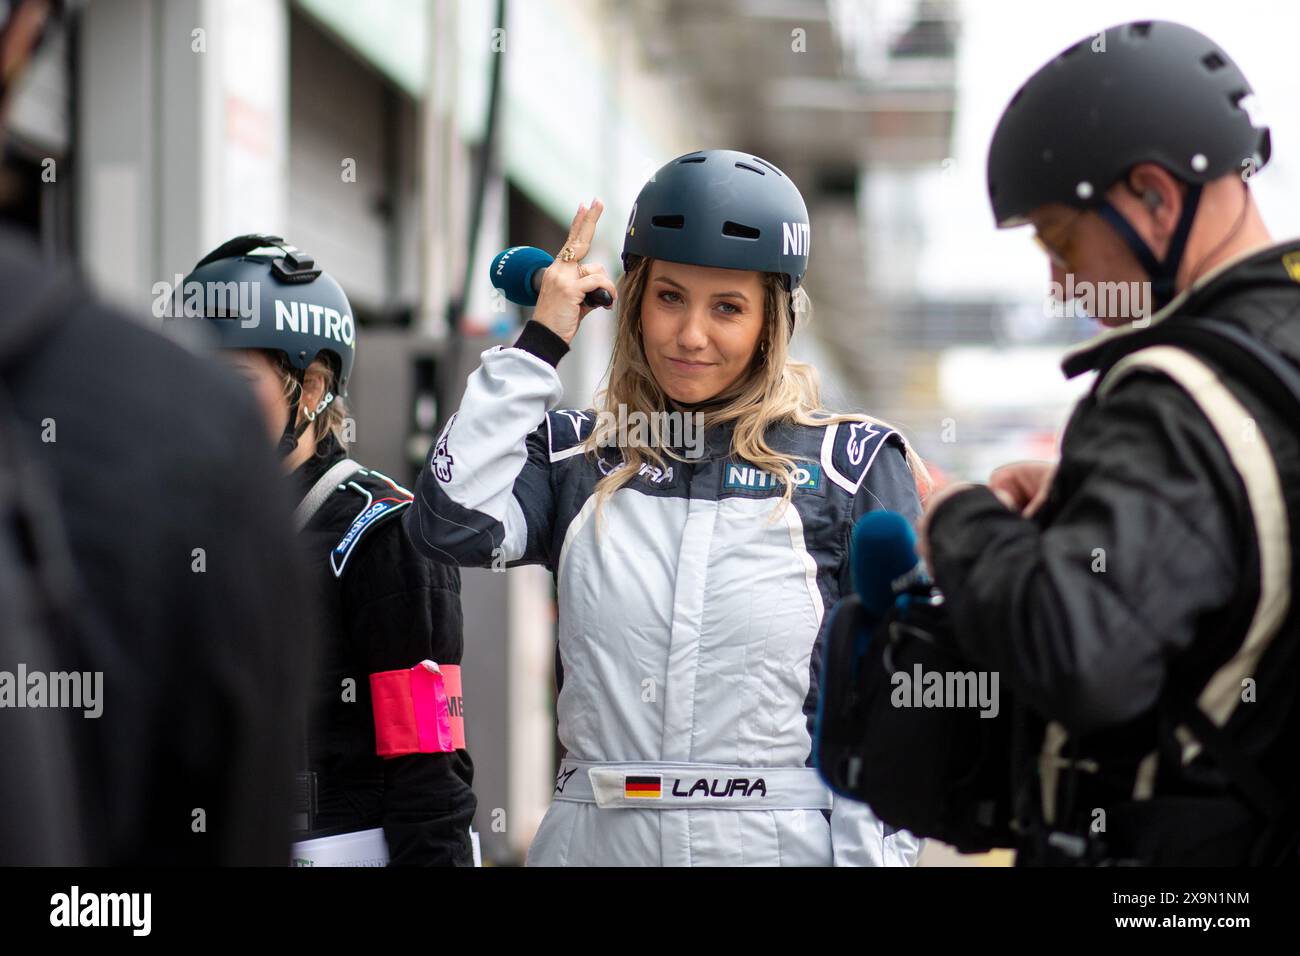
<point>560,306</point>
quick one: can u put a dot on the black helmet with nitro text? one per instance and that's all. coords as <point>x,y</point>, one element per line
<point>722,208</point>
<point>259,292</point>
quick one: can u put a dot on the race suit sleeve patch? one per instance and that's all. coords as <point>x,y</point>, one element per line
<point>375,510</point>
<point>850,448</point>
<point>567,429</point>
<point>413,711</point>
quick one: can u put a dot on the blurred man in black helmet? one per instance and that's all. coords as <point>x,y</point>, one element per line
<point>154,561</point>
<point>1137,595</point>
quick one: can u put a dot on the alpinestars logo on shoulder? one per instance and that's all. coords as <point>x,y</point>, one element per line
<point>442,460</point>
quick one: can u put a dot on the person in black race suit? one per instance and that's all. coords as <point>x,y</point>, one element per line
<point>391,619</point>
<point>1136,596</point>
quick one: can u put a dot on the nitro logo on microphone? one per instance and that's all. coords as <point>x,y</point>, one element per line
<point>312,319</point>
<point>795,238</point>
<point>501,262</point>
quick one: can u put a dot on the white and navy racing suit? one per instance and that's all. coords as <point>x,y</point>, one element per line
<point>689,626</point>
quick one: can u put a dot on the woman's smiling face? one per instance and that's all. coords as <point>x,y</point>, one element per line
<point>699,327</point>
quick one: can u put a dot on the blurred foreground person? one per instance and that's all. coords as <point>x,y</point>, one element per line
<point>390,619</point>
<point>153,678</point>
<point>697,523</point>
<point>1137,597</point>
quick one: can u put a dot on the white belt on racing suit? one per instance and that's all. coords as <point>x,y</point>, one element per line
<point>646,785</point>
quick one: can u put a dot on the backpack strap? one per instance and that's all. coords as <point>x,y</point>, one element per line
<point>335,477</point>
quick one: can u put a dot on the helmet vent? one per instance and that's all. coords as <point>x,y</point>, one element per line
<point>752,169</point>
<point>764,162</point>
<point>739,230</point>
<point>1213,62</point>
<point>668,222</point>
<point>691,159</point>
<point>1140,29</point>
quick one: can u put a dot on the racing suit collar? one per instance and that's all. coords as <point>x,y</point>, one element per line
<point>717,440</point>
<point>1247,269</point>
<point>328,451</point>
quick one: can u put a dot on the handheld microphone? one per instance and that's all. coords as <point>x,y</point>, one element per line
<point>885,565</point>
<point>884,561</point>
<point>517,272</point>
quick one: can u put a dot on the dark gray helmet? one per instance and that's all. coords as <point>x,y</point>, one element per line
<point>259,292</point>
<point>722,208</point>
<point>1160,92</point>
<point>301,311</point>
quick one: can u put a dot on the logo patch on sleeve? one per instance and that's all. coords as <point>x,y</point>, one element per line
<point>374,510</point>
<point>441,461</point>
<point>566,430</point>
<point>849,448</point>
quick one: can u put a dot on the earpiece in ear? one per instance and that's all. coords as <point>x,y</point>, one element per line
<point>1152,199</point>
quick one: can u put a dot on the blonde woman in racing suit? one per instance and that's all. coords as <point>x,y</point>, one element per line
<point>695,564</point>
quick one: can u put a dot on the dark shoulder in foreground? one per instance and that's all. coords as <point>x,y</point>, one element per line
<point>179,528</point>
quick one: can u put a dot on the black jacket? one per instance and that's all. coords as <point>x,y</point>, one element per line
<point>1135,583</point>
<point>388,609</point>
<point>186,567</point>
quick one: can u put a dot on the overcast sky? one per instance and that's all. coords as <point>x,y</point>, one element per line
<point>1004,41</point>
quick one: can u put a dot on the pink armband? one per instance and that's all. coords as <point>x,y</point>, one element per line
<point>417,711</point>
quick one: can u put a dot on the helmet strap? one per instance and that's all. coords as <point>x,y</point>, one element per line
<point>1163,273</point>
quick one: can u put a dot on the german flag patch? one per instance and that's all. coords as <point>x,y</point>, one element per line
<point>643,788</point>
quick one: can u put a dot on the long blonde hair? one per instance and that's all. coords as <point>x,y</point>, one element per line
<point>777,390</point>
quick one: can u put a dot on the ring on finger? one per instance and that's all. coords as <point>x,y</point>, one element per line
<point>566,255</point>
